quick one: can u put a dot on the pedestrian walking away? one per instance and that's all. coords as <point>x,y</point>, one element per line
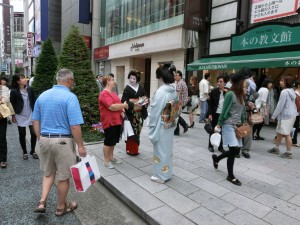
<point>231,116</point>
<point>204,87</point>
<point>193,103</point>
<point>164,111</point>
<point>111,110</point>
<point>22,99</point>
<point>285,113</point>
<point>137,110</point>
<point>56,121</point>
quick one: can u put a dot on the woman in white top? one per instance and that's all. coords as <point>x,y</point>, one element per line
<point>261,106</point>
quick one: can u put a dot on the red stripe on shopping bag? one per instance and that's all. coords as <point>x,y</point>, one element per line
<point>76,179</point>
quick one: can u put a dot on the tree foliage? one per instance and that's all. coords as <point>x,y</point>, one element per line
<point>76,56</point>
<point>45,69</point>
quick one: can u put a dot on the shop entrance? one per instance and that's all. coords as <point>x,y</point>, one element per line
<point>147,76</point>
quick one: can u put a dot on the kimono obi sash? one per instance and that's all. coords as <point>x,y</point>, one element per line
<point>136,108</point>
<point>170,113</point>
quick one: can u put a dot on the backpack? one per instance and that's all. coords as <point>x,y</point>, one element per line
<point>297,101</point>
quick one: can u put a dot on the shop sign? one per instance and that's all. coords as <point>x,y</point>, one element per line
<point>87,40</point>
<point>136,46</point>
<point>29,44</point>
<point>214,67</point>
<point>101,53</point>
<point>195,14</point>
<point>263,10</point>
<point>266,37</point>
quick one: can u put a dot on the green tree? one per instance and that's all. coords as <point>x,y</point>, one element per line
<point>17,70</point>
<point>45,69</point>
<point>76,56</point>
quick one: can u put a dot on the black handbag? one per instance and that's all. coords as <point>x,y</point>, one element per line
<point>208,128</point>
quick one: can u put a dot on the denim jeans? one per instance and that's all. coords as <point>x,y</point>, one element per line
<point>203,110</point>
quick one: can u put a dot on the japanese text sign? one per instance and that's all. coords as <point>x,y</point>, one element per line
<point>266,37</point>
<point>29,44</point>
<point>263,10</point>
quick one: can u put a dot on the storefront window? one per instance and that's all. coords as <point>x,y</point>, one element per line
<point>123,16</point>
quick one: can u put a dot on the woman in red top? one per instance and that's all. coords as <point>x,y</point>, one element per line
<point>111,110</point>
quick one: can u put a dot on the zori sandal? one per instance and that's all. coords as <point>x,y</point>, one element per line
<point>69,207</point>
<point>40,210</point>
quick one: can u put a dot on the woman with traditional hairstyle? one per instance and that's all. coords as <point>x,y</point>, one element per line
<point>135,113</point>
<point>162,122</point>
<point>230,117</point>
<point>22,100</point>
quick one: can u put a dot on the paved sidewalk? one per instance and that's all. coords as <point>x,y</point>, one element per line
<point>199,194</point>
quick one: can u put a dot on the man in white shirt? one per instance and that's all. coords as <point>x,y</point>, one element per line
<point>204,87</point>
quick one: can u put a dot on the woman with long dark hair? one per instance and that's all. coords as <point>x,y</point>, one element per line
<point>230,117</point>
<point>22,100</point>
<point>193,93</point>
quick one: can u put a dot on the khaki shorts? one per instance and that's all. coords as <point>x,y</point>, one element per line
<point>56,156</point>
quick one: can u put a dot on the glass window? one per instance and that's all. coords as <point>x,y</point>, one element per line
<point>123,16</point>
<point>30,11</point>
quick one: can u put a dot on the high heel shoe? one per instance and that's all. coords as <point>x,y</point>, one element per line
<point>192,125</point>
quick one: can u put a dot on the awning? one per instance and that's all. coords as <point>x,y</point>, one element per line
<point>267,60</point>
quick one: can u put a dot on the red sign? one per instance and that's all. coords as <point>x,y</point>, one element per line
<point>101,53</point>
<point>87,40</point>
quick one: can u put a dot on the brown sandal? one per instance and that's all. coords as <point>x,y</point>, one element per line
<point>69,207</point>
<point>40,210</point>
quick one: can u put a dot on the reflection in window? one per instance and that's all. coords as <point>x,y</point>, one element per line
<point>128,15</point>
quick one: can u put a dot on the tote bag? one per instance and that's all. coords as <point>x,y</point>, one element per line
<point>85,173</point>
<point>127,130</point>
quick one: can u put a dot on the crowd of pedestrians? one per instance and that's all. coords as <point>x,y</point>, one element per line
<point>54,122</point>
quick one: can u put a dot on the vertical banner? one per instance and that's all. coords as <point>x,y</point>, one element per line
<point>29,44</point>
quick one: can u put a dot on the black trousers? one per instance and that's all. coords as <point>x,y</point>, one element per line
<point>257,129</point>
<point>3,142</point>
<point>296,126</point>
<point>230,155</point>
<point>182,123</point>
<point>214,123</point>
<point>22,139</point>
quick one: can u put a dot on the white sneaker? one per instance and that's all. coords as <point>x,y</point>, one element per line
<point>109,165</point>
<point>157,180</point>
<point>115,161</point>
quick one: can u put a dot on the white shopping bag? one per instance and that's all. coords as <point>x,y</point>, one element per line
<point>127,130</point>
<point>85,173</point>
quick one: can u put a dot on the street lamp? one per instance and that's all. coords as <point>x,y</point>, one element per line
<point>12,44</point>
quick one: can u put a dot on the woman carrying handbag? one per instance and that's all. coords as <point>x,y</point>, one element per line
<point>231,117</point>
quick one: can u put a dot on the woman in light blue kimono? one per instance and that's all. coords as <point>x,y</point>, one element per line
<point>162,122</point>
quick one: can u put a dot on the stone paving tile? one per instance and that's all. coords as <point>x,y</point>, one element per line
<point>204,216</point>
<point>210,187</point>
<point>280,205</point>
<point>202,197</point>
<point>181,186</point>
<point>219,207</point>
<point>250,206</point>
<point>286,177</point>
<point>177,201</point>
<point>147,170</point>
<point>278,218</point>
<point>168,216</point>
<point>245,190</point>
<point>271,190</point>
<point>254,166</point>
<point>133,192</point>
<point>204,164</point>
<point>128,170</point>
<point>293,188</point>
<point>295,200</point>
<point>239,217</point>
<point>282,168</point>
<point>136,162</point>
<point>103,170</point>
<point>145,155</point>
<point>184,174</point>
<point>146,183</point>
<point>263,177</point>
<point>183,164</point>
<point>209,175</point>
